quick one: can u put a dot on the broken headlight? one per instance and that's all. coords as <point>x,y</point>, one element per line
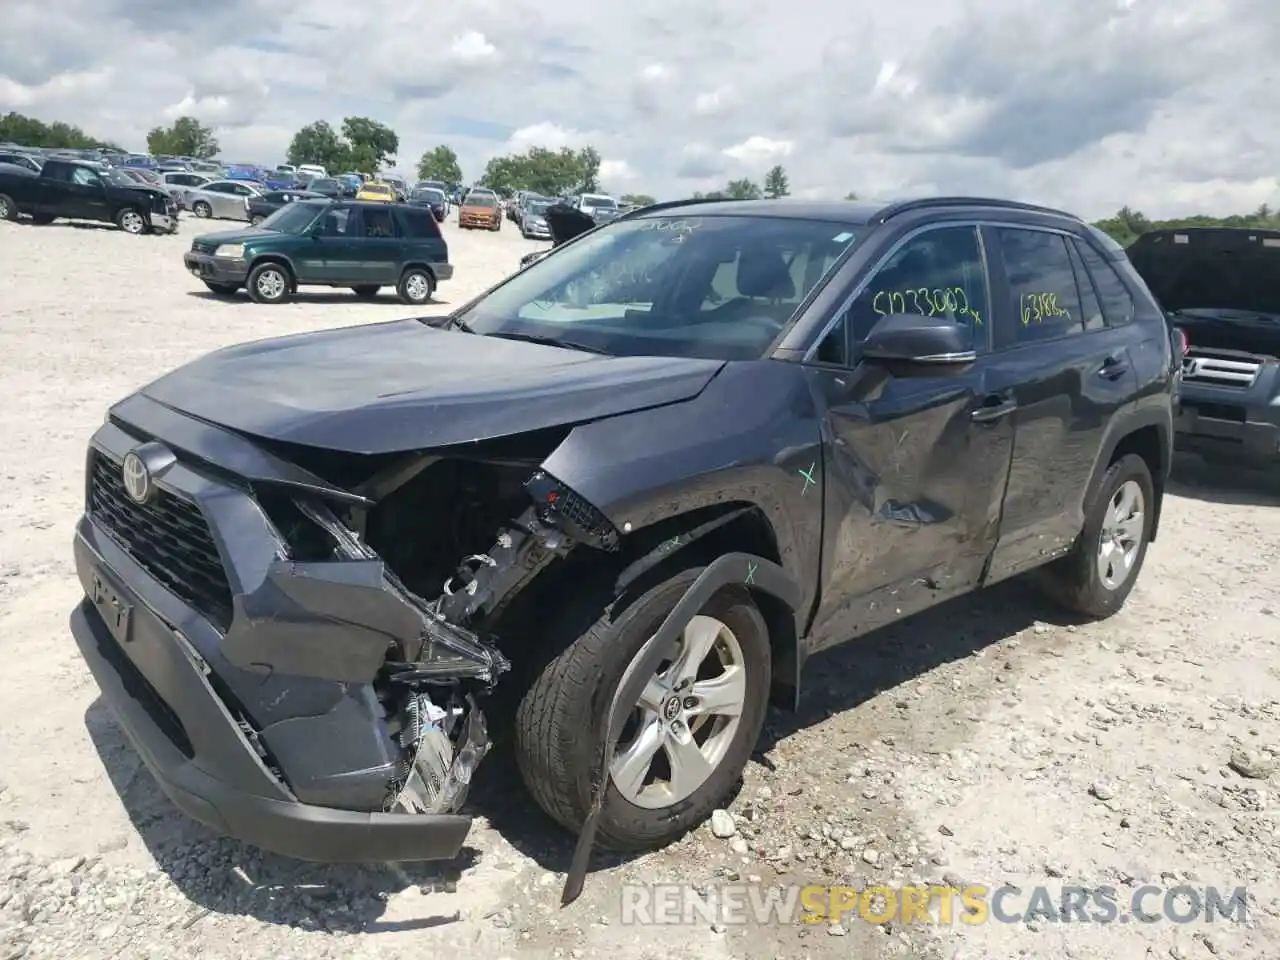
<point>562,507</point>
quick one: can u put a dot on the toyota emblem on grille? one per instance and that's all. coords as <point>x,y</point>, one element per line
<point>137,478</point>
<point>1190,367</point>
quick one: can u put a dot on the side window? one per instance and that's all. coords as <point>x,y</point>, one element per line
<point>1090,309</point>
<point>418,224</point>
<point>1117,304</point>
<point>336,222</point>
<point>1042,285</point>
<point>939,273</point>
<point>85,177</point>
<point>218,187</point>
<point>58,171</point>
<point>378,222</point>
<point>241,190</point>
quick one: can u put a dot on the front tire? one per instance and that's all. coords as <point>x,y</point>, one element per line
<point>1096,577</point>
<point>416,286</point>
<point>683,750</point>
<point>131,221</point>
<point>270,283</point>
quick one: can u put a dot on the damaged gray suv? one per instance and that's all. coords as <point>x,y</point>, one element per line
<point>635,485</point>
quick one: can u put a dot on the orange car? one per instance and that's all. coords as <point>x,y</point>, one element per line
<point>480,210</point>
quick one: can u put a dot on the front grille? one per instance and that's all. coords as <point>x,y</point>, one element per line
<point>169,537</point>
<point>1219,371</point>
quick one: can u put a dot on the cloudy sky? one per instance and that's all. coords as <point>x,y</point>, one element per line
<point>1165,105</point>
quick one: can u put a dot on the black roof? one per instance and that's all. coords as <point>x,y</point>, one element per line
<point>856,212</point>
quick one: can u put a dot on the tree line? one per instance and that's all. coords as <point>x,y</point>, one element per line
<point>364,144</point>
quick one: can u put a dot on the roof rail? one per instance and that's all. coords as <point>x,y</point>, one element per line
<point>669,204</point>
<point>899,207</point>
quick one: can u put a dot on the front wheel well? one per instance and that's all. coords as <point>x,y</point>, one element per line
<point>1146,443</point>
<point>276,259</point>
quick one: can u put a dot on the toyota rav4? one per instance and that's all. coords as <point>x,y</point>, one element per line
<point>638,483</point>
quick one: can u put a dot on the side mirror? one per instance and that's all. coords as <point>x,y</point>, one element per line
<point>913,338</point>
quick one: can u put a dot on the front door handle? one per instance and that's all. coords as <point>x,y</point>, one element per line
<point>1113,368</point>
<point>994,407</point>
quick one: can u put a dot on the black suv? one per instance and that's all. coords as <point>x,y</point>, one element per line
<point>1220,287</point>
<point>636,484</point>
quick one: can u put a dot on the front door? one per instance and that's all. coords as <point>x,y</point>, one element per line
<point>84,196</point>
<point>332,255</point>
<point>1066,374</point>
<point>914,467</point>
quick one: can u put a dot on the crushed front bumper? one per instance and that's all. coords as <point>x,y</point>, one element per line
<point>253,707</point>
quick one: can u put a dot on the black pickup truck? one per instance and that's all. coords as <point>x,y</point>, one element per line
<point>87,191</point>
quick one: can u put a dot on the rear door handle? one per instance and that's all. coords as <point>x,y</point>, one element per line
<point>994,407</point>
<point>1113,368</point>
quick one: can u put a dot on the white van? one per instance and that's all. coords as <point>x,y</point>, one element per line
<point>313,171</point>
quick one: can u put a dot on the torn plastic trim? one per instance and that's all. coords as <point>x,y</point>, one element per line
<point>343,620</point>
<point>742,568</point>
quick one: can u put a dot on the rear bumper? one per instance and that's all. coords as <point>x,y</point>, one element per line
<point>213,269</point>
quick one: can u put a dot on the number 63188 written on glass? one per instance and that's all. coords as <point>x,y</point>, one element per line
<point>1039,307</point>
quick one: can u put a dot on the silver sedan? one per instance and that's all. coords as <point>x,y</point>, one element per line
<point>226,199</point>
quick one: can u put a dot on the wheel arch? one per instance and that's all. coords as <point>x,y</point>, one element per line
<point>419,265</point>
<point>1148,435</point>
<point>279,259</point>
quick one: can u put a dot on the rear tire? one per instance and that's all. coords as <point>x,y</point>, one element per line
<point>1096,577</point>
<point>563,715</point>
<point>8,209</point>
<point>202,210</point>
<point>416,287</point>
<point>270,283</point>
<point>366,290</point>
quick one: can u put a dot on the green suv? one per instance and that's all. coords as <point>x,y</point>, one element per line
<point>330,243</point>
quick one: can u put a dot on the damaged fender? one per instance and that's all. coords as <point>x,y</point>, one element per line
<point>743,568</point>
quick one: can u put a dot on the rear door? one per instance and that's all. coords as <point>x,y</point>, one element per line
<point>380,245</point>
<point>914,467</point>
<point>1066,375</point>
<point>423,242</point>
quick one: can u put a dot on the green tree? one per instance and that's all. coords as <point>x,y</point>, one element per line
<point>440,163</point>
<point>545,171</point>
<point>364,144</point>
<point>639,199</point>
<point>187,137</point>
<point>372,145</point>
<point>30,132</point>
<point>776,183</point>
<point>318,143</point>
<point>743,189</point>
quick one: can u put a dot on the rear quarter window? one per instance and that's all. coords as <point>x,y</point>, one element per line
<point>1113,295</point>
<point>418,224</point>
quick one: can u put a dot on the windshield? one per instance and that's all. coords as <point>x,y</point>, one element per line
<point>293,218</point>
<point>430,196</point>
<point>482,200</point>
<point>323,185</point>
<point>721,287</point>
<point>538,207</point>
<point>120,178</point>
<point>605,202</point>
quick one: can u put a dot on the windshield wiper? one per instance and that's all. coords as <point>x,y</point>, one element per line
<point>551,342</point>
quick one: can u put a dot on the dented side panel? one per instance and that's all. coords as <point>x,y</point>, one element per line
<point>753,436</point>
<point>913,494</point>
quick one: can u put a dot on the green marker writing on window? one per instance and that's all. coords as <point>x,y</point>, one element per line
<point>926,301</point>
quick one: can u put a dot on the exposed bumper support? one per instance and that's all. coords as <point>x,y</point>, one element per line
<point>743,568</point>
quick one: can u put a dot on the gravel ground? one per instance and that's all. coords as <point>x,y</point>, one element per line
<point>991,741</point>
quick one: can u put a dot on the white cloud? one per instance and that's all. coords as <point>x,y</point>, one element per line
<point>1088,105</point>
<point>472,45</point>
<point>757,150</point>
<point>616,173</point>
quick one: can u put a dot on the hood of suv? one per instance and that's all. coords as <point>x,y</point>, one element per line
<point>566,222</point>
<point>1210,268</point>
<point>404,385</point>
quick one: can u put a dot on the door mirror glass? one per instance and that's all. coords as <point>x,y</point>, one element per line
<point>915,338</point>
